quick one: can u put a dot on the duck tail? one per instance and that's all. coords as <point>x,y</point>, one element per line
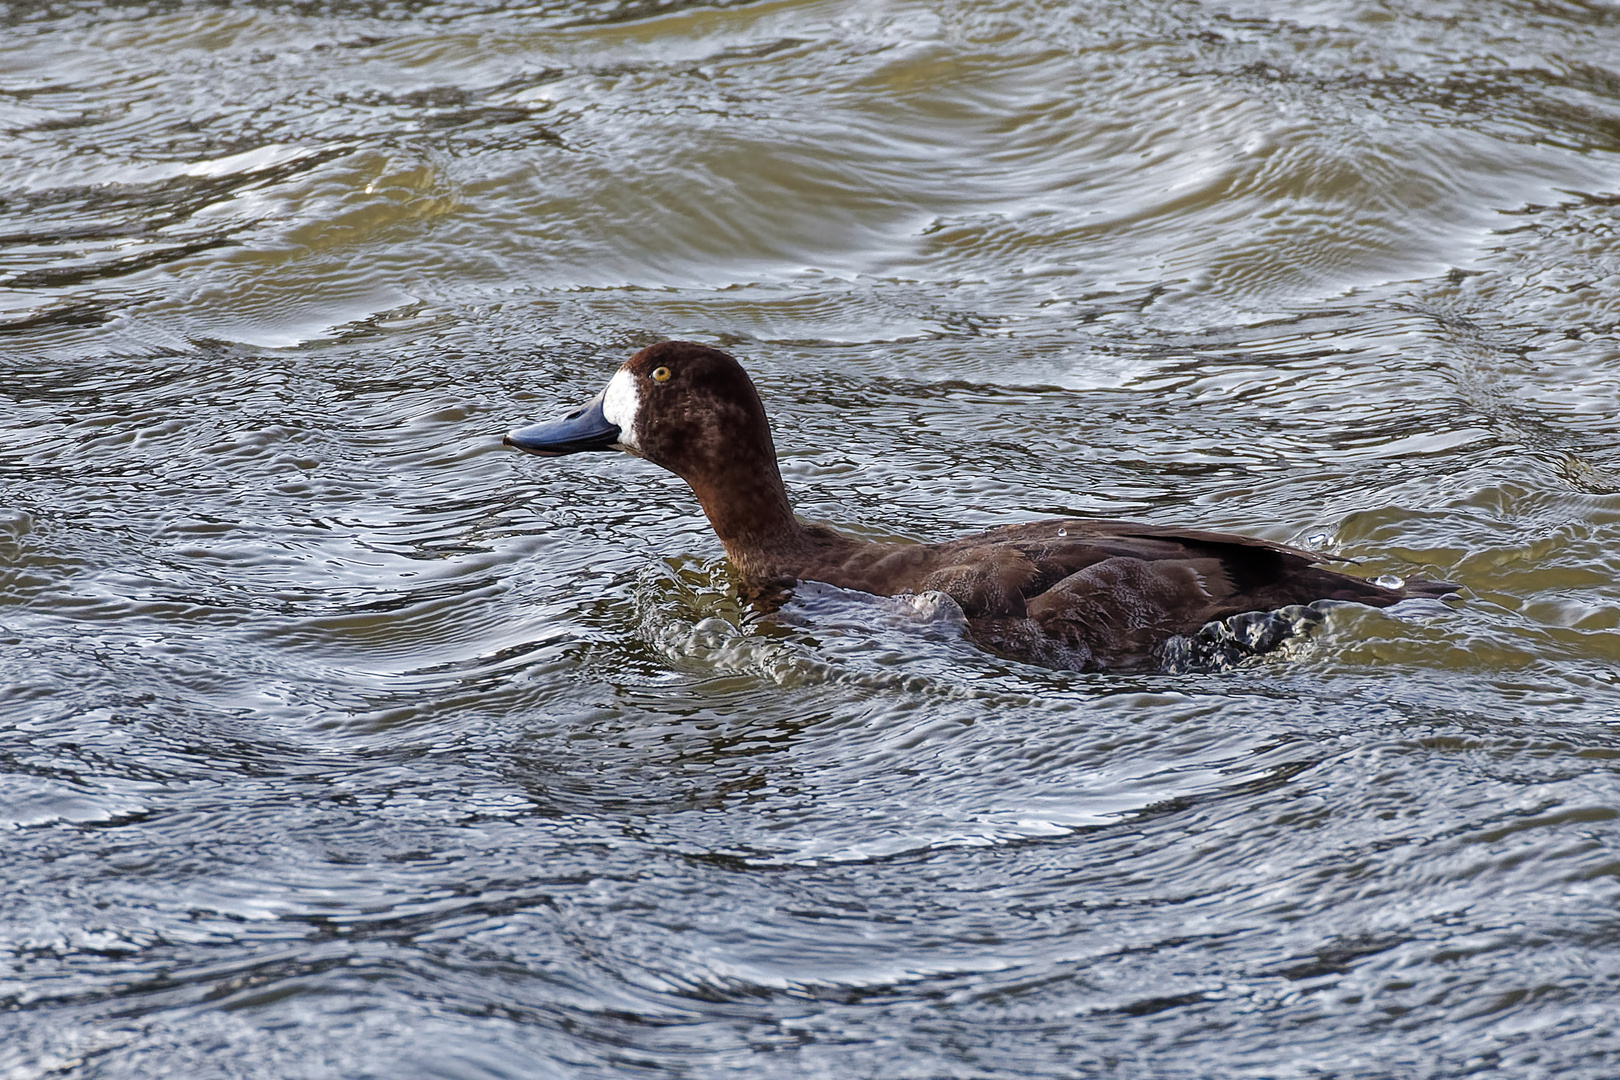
<point>1434,590</point>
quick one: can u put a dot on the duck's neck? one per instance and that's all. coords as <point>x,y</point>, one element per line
<point>748,508</point>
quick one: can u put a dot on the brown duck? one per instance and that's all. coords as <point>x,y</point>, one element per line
<point>1067,593</point>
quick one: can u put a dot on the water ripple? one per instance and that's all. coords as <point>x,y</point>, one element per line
<point>335,739</point>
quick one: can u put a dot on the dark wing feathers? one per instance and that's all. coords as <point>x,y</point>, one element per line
<point>1234,574</point>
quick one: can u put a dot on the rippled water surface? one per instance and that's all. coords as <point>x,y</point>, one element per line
<point>338,741</point>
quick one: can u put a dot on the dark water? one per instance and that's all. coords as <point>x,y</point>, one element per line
<point>337,741</point>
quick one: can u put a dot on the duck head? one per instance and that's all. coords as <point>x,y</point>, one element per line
<point>692,410</point>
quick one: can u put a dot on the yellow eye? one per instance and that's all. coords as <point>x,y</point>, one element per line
<point>661,374</point>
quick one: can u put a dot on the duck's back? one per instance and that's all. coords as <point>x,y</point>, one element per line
<point>1100,594</point>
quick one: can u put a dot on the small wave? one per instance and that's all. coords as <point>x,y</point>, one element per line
<point>915,643</point>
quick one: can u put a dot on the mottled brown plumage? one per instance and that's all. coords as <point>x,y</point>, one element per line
<point>1088,595</point>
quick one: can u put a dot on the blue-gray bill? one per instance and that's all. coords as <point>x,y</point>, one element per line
<point>583,429</point>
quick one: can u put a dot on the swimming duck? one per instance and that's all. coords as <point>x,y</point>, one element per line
<point>1066,593</point>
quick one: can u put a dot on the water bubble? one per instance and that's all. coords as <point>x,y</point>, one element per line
<point>1063,532</point>
<point>1389,581</point>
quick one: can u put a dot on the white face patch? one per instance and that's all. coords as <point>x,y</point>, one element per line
<point>619,404</point>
